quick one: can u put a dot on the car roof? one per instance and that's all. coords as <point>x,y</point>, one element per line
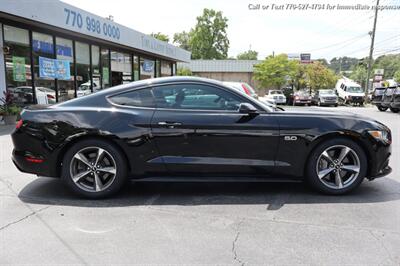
<point>143,83</point>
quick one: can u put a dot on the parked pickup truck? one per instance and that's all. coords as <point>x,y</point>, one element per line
<point>395,104</point>
<point>384,98</point>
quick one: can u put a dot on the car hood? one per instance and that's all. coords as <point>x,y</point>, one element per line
<point>362,94</point>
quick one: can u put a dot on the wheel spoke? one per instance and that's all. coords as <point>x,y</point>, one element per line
<point>79,156</point>
<point>338,180</point>
<point>324,172</point>
<point>327,156</point>
<point>110,170</point>
<point>343,154</point>
<point>351,168</point>
<point>79,176</point>
<point>98,185</point>
<point>99,156</point>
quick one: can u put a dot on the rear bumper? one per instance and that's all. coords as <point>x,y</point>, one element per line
<point>24,165</point>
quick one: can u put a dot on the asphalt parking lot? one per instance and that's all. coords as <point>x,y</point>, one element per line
<point>196,223</point>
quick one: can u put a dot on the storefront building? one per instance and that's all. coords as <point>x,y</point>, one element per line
<point>52,52</point>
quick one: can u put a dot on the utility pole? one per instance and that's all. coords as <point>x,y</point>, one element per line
<point>371,50</point>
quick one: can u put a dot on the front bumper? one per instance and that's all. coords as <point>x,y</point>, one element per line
<point>384,172</point>
<point>300,101</point>
<point>395,104</point>
<point>280,101</point>
<point>355,99</point>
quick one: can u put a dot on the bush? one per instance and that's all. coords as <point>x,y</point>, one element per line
<point>7,106</point>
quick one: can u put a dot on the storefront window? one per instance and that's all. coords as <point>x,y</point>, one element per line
<point>146,68</point>
<point>173,69</point>
<point>158,68</point>
<point>82,69</point>
<point>96,77</point>
<point>135,67</point>
<point>166,69</point>
<point>18,64</point>
<point>105,69</point>
<point>121,68</point>
<point>65,85</point>
<point>43,53</point>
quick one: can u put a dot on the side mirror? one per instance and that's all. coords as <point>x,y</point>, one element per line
<point>247,108</point>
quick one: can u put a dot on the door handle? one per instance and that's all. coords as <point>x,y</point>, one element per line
<point>169,124</point>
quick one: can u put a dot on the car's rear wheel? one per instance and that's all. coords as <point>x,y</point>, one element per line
<point>337,166</point>
<point>394,110</point>
<point>94,169</point>
<point>381,108</point>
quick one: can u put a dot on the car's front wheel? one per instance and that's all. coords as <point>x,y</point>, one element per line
<point>336,166</point>
<point>394,110</point>
<point>94,168</point>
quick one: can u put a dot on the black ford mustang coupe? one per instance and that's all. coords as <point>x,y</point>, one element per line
<point>193,129</point>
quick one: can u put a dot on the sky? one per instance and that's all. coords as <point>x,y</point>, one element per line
<point>323,33</point>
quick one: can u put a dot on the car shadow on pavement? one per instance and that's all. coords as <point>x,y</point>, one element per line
<point>50,191</point>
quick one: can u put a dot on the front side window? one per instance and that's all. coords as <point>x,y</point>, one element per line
<point>136,98</point>
<point>195,97</point>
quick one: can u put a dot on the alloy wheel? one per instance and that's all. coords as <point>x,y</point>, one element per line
<point>93,169</point>
<point>338,167</point>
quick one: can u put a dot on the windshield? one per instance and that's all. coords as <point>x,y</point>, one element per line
<point>354,89</point>
<point>275,92</point>
<point>326,92</point>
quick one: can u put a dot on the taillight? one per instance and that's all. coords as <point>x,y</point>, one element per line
<point>246,90</point>
<point>19,124</point>
<point>50,96</point>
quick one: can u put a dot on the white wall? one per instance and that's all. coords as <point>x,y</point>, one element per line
<point>2,68</point>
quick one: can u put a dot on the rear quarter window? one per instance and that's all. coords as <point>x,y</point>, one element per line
<point>136,98</point>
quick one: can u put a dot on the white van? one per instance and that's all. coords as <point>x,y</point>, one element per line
<point>350,92</point>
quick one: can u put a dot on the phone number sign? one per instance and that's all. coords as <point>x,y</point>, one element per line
<point>90,24</point>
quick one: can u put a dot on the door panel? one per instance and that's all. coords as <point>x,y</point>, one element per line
<point>207,143</point>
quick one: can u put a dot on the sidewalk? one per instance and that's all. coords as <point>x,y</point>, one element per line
<point>6,129</point>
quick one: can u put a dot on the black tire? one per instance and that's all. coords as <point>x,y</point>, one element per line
<point>381,108</point>
<point>120,168</point>
<point>394,110</point>
<point>311,171</point>
<point>336,105</point>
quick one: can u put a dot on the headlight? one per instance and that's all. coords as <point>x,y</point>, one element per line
<point>380,135</point>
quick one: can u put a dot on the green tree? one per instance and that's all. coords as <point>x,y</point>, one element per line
<point>390,63</point>
<point>338,64</point>
<point>248,55</point>
<point>184,71</point>
<point>274,72</point>
<point>359,75</point>
<point>160,36</point>
<point>299,78</point>
<point>208,39</point>
<point>319,77</point>
<point>182,39</point>
<point>397,76</point>
<point>323,62</point>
